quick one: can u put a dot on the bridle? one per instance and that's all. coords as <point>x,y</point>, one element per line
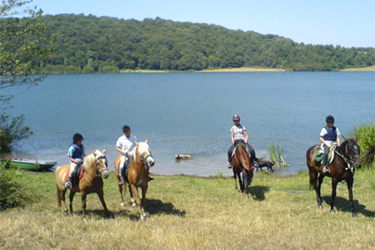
<point>349,162</point>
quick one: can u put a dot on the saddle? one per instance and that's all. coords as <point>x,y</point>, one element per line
<point>77,175</point>
<point>125,169</point>
<point>320,154</point>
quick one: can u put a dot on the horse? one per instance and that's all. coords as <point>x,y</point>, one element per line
<point>95,166</point>
<point>243,163</point>
<point>342,168</point>
<point>138,175</point>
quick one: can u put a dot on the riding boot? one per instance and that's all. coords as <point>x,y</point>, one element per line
<point>69,183</point>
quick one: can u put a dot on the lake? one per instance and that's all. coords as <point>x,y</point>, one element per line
<point>190,113</point>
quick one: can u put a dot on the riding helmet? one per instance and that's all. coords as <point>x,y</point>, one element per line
<point>236,118</point>
<point>77,137</point>
<point>330,119</point>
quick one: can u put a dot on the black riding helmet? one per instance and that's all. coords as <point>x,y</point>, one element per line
<point>236,118</point>
<point>330,119</point>
<point>77,137</point>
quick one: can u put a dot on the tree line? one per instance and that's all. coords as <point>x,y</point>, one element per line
<point>87,44</point>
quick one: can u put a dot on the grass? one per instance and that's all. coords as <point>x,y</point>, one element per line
<point>197,213</point>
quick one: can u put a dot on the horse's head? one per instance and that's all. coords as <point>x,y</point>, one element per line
<point>101,163</point>
<point>144,154</point>
<point>352,151</point>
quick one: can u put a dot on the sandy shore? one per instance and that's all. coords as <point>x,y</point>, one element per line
<point>371,68</point>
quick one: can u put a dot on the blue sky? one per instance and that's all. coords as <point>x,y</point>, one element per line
<point>349,23</point>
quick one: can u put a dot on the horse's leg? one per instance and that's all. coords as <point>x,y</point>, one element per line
<point>241,180</point>
<point>83,198</point>
<point>318,193</point>
<point>71,196</point>
<point>61,196</point>
<point>101,197</point>
<point>246,184</point>
<point>132,200</point>
<point>235,181</point>
<point>143,201</point>
<point>138,200</point>
<point>350,182</point>
<point>333,196</point>
<point>121,188</point>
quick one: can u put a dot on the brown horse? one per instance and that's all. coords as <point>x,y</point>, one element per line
<point>95,166</point>
<point>243,164</point>
<point>342,168</point>
<point>138,175</point>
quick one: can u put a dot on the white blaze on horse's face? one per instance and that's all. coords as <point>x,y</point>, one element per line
<point>102,163</point>
<point>145,153</point>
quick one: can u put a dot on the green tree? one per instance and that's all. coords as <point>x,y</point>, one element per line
<point>23,46</point>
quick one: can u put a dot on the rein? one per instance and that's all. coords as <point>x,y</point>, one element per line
<point>348,162</point>
<point>95,174</point>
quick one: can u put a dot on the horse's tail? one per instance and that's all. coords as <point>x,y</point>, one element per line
<point>58,197</point>
<point>312,173</point>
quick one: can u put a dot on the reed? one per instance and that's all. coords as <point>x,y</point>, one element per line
<point>278,156</point>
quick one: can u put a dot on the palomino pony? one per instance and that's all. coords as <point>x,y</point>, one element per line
<point>138,175</point>
<point>347,156</point>
<point>242,163</point>
<point>95,166</point>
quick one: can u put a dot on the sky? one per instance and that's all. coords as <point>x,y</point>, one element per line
<point>348,23</point>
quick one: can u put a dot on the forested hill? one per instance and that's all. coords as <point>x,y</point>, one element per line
<point>93,44</point>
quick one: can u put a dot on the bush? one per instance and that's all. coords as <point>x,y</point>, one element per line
<point>365,137</point>
<point>10,191</point>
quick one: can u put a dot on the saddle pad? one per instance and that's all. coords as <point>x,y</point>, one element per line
<point>80,173</point>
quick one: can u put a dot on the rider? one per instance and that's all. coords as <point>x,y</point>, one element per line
<point>329,135</point>
<point>76,155</point>
<point>125,145</point>
<point>238,135</point>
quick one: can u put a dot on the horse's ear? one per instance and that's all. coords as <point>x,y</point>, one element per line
<point>345,138</point>
<point>146,141</point>
<point>104,151</point>
<point>136,143</point>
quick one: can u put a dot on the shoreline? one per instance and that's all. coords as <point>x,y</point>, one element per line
<point>242,69</point>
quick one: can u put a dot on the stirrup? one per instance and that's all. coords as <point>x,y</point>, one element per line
<point>68,185</point>
<point>120,181</point>
<point>325,170</point>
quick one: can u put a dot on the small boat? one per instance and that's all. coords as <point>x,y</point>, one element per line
<point>29,164</point>
<point>182,157</point>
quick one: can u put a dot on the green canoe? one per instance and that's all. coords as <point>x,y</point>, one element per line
<point>30,165</point>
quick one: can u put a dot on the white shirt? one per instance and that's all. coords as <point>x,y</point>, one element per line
<point>126,144</point>
<point>324,131</point>
<point>238,132</point>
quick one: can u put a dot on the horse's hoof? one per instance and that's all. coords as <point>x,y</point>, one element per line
<point>320,206</point>
<point>134,204</point>
<point>247,197</point>
<point>123,204</point>
<point>332,211</point>
<point>143,217</point>
<point>354,214</point>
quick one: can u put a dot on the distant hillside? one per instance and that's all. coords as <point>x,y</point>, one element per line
<point>92,44</point>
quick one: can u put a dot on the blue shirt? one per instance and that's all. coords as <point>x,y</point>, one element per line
<point>76,152</point>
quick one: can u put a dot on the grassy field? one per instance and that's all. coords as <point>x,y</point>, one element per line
<point>197,213</point>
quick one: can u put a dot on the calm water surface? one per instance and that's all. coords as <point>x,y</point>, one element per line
<point>190,113</point>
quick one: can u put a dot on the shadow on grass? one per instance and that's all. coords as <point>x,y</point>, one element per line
<point>258,192</point>
<point>158,207</point>
<point>342,204</point>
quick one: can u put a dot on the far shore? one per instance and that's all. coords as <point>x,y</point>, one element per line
<point>242,69</point>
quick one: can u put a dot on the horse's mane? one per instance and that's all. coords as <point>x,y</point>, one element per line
<point>90,159</point>
<point>142,147</point>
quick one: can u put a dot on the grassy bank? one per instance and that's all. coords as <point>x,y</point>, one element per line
<point>197,213</point>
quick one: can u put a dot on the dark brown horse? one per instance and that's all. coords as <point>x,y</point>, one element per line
<point>342,168</point>
<point>242,164</point>
<point>138,175</point>
<point>95,166</point>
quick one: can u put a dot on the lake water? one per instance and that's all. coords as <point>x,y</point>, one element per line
<point>190,113</point>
